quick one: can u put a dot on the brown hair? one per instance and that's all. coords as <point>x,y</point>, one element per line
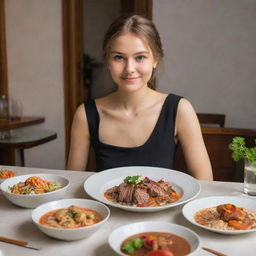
<point>142,27</point>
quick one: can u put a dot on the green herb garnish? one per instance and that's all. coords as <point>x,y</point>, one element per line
<point>70,213</point>
<point>240,151</point>
<point>133,179</point>
<point>137,242</point>
<point>131,246</point>
<point>49,190</point>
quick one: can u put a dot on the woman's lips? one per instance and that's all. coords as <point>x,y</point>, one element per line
<point>130,79</point>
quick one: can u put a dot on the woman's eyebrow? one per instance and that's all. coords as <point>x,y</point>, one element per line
<point>143,52</point>
<point>137,53</point>
<point>116,52</point>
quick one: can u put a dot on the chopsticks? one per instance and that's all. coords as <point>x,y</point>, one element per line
<point>17,242</point>
<point>214,252</point>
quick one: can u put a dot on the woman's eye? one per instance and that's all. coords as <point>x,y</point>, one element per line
<point>140,58</point>
<point>118,57</point>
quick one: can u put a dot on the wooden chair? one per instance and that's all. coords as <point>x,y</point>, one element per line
<point>217,141</point>
<point>206,119</point>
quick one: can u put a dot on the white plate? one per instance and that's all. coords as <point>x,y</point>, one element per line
<point>120,234</point>
<point>186,185</point>
<point>191,208</point>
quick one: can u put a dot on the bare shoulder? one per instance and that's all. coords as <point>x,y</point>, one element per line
<point>186,115</point>
<point>80,123</point>
<point>80,114</point>
<point>185,107</point>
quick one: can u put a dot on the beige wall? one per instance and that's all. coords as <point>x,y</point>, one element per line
<point>210,55</point>
<point>35,71</point>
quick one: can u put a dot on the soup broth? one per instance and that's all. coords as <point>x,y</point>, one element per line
<point>158,241</point>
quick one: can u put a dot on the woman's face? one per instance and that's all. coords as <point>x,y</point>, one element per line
<point>130,62</point>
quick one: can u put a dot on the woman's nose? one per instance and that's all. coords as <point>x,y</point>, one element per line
<point>130,66</point>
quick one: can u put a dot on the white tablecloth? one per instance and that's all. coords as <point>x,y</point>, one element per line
<point>16,223</point>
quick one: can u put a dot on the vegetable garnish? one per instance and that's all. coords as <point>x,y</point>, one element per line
<point>133,179</point>
<point>240,151</point>
<point>131,246</point>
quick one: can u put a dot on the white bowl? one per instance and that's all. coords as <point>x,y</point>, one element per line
<point>70,234</point>
<point>120,234</point>
<point>32,201</point>
<point>1,181</point>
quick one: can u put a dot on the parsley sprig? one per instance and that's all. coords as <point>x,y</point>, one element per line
<point>240,151</point>
<point>133,179</point>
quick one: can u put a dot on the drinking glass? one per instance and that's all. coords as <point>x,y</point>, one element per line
<point>3,108</point>
<point>16,109</point>
<point>249,178</point>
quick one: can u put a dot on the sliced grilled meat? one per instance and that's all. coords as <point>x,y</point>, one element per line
<point>155,190</point>
<point>125,192</point>
<point>140,196</point>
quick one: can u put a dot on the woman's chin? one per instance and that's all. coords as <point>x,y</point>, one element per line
<point>131,87</point>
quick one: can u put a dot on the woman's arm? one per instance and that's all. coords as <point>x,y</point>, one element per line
<point>190,136</point>
<point>80,141</point>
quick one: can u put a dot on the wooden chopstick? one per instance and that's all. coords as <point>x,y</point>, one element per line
<point>214,252</point>
<point>13,241</point>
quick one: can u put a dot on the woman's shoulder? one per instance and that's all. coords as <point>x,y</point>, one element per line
<point>80,114</point>
<point>185,112</point>
<point>185,107</point>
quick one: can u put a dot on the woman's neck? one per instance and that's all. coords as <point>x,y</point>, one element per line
<point>134,101</point>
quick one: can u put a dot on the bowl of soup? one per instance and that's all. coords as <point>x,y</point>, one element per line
<point>70,219</point>
<point>151,238</point>
<point>32,190</point>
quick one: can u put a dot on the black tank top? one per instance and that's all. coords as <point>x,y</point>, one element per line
<point>157,151</point>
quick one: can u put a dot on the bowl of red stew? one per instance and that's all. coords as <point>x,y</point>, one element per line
<point>152,238</point>
<point>70,219</point>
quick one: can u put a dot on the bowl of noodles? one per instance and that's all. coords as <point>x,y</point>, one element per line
<point>30,191</point>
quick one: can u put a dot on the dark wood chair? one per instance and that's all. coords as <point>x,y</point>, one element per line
<point>217,141</point>
<point>208,119</point>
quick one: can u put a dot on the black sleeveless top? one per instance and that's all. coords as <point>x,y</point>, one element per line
<point>157,151</point>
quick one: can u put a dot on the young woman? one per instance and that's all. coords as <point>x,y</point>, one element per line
<point>136,125</point>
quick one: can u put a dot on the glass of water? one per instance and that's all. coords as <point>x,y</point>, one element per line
<point>249,178</point>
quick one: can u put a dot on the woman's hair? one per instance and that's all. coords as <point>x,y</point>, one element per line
<point>140,26</point>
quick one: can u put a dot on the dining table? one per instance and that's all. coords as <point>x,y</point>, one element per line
<point>16,222</point>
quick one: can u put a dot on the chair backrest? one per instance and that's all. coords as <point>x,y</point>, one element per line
<point>206,119</point>
<point>217,141</point>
